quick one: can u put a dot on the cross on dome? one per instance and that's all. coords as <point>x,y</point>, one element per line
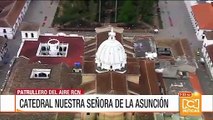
<point>111,34</point>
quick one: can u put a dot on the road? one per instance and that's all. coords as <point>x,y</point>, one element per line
<point>37,12</point>
<point>176,22</point>
<point>13,46</point>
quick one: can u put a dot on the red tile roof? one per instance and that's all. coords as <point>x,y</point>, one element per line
<point>203,14</point>
<point>10,11</point>
<point>116,83</point>
<point>194,80</point>
<point>75,50</point>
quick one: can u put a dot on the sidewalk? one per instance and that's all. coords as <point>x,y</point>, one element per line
<point>204,78</point>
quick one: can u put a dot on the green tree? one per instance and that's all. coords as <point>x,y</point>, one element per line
<point>92,12</point>
<point>127,12</point>
<point>145,9</point>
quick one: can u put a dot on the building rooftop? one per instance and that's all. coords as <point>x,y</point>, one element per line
<point>26,26</point>
<point>9,11</point>
<point>174,86</point>
<point>178,47</point>
<point>74,52</point>
<point>179,77</point>
<point>203,18</point>
<point>60,76</point>
<point>115,84</point>
<point>21,116</point>
<point>209,35</point>
<point>144,44</point>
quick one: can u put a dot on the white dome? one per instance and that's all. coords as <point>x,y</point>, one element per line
<point>111,54</point>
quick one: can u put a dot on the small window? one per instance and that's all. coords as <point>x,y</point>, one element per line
<point>60,48</point>
<point>5,36</point>
<point>65,48</point>
<point>32,35</point>
<point>40,73</point>
<point>4,30</point>
<point>43,48</point>
<point>88,113</point>
<point>203,36</point>
<point>26,35</point>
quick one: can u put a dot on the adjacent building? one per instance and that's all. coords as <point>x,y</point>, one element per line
<point>208,56</point>
<point>51,48</point>
<point>145,47</point>
<point>11,15</point>
<point>29,31</point>
<point>200,18</point>
<point>206,50</point>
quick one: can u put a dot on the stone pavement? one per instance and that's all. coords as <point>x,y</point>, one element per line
<point>37,12</point>
<point>176,22</point>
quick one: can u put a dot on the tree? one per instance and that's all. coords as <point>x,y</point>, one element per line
<point>127,13</point>
<point>145,9</point>
<point>92,10</point>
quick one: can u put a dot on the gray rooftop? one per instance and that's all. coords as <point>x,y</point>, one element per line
<point>143,45</point>
<point>174,86</point>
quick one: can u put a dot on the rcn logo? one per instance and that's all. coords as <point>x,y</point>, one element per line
<point>190,104</point>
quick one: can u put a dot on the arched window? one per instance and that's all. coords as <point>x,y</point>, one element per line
<point>36,75</point>
<point>65,48</point>
<point>60,48</point>
<point>42,75</point>
<point>26,35</point>
<point>32,35</point>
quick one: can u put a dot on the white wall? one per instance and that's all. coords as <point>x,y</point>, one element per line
<point>21,15</point>
<point>208,60</point>
<point>29,36</point>
<point>199,34</point>
<point>10,31</point>
<point>207,42</point>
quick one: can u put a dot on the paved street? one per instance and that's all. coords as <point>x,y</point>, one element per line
<point>176,22</point>
<point>13,46</point>
<point>37,12</point>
